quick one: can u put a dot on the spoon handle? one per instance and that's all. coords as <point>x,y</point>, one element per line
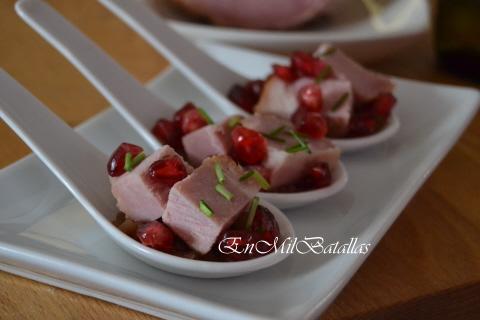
<point>128,96</point>
<point>213,78</point>
<point>77,164</point>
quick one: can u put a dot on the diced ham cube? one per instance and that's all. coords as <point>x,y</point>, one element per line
<point>279,97</point>
<point>332,91</point>
<point>287,168</point>
<point>366,84</point>
<point>136,196</point>
<point>205,142</point>
<point>265,123</point>
<point>183,214</point>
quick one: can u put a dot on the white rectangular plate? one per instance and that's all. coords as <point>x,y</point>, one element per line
<point>47,236</point>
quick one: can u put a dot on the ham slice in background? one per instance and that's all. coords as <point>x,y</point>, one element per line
<point>257,14</point>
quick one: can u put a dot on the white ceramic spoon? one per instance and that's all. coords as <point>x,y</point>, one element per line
<point>133,101</point>
<point>82,169</point>
<point>213,78</point>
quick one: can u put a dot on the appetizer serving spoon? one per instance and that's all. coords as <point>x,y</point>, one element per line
<point>211,77</point>
<point>132,100</point>
<point>81,167</point>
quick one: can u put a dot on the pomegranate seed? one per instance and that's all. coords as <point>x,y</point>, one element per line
<point>364,125</point>
<point>287,74</point>
<point>156,235</point>
<point>189,119</point>
<point>167,171</point>
<point>310,98</point>
<point>318,176</point>
<point>167,132</point>
<point>249,146</point>
<point>116,163</point>
<point>255,87</point>
<point>306,64</point>
<point>383,104</point>
<point>246,97</point>
<point>313,124</point>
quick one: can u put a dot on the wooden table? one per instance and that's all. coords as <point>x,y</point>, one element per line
<point>426,267</point>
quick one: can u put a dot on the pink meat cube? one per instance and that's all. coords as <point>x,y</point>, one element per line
<point>205,142</point>
<point>280,98</point>
<point>183,214</point>
<point>135,194</point>
<point>366,84</point>
<point>332,92</point>
<point>285,168</point>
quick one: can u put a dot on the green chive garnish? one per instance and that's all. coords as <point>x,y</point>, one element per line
<point>203,206</point>
<point>277,131</point>
<point>251,212</point>
<point>137,159</point>
<point>262,182</point>
<point>233,121</point>
<point>268,136</point>
<point>205,115</point>
<point>301,146</point>
<point>220,188</point>
<point>324,74</point>
<point>219,173</point>
<point>128,162</point>
<point>340,101</point>
<point>247,175</point>
<point>273,135</point>
<point>296,148</point>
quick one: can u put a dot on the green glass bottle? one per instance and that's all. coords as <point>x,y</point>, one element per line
<point>458,37</point>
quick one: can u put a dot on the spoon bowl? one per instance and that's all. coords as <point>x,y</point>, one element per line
<point>197,66</point>
<point>81,167</point>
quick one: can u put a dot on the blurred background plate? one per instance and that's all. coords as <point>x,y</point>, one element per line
<point>367,29</point>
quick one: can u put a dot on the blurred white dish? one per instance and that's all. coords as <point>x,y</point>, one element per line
<point>365,29</point>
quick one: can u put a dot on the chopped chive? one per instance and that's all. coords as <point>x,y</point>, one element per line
<point>324,74</point>
<point>247,175</point>
<point>205,115</point>
<point>219,173</point>
<point>203,206</point>
<point>301,146</point>
<point>220,188</point>
<point>277,131</point>
<point>273,135</point>
<point>262,182</point>
<point>233,121</point>
<point>251,212</point>
<point>137,159</point>
<point>268,136</point>
<point>340,101</point>
<point>128,162</point>
<point>296,148</point>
